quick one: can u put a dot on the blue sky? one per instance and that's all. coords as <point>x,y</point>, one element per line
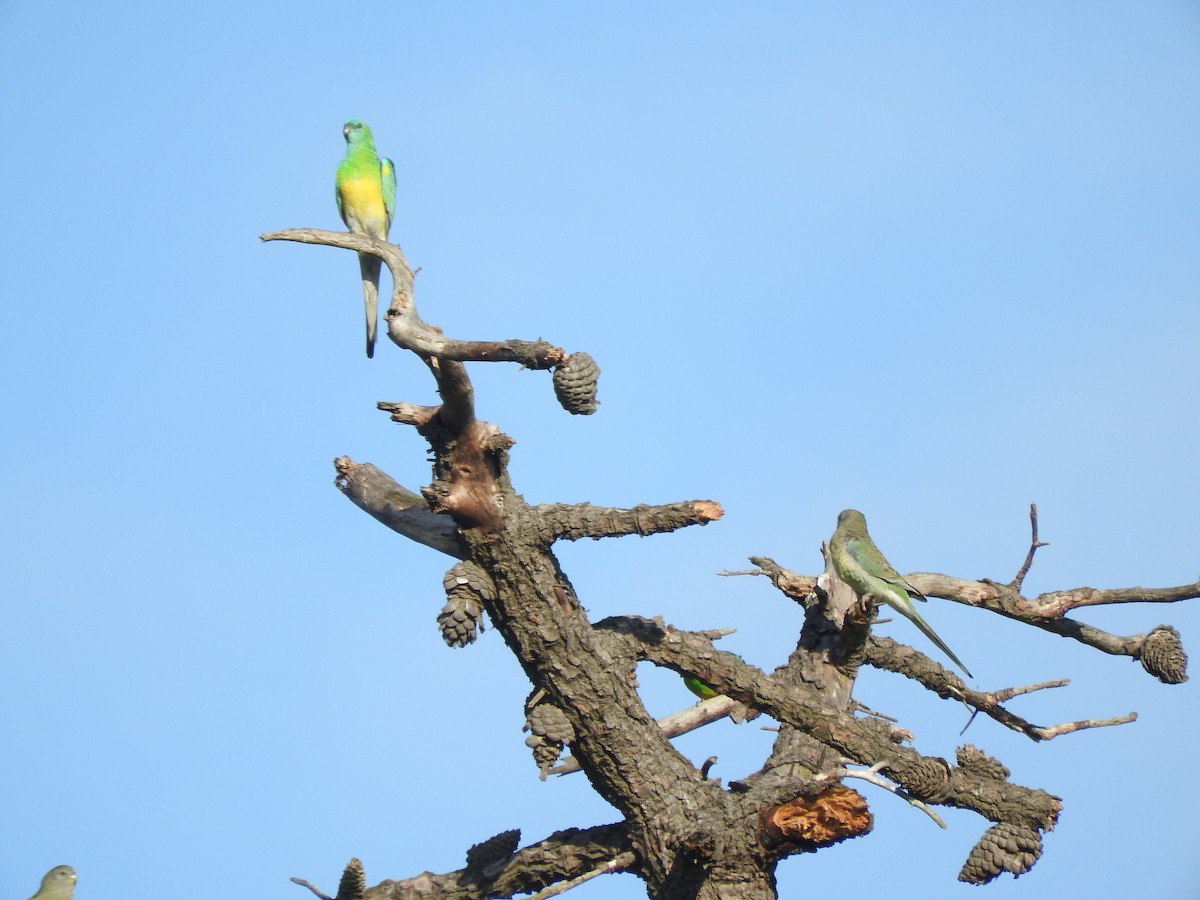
<point>931,260</point>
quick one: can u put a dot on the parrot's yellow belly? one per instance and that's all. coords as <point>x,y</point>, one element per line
<point>362,206</point>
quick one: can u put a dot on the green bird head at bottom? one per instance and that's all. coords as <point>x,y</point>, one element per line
<point>57,884</point>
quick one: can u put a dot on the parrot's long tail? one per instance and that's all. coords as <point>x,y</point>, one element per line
<point>370,267</point>
<point>932,635</point>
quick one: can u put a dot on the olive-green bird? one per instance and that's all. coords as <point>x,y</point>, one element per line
<point>366,201</point>
<point>859,563</point>
<point>57,884</point>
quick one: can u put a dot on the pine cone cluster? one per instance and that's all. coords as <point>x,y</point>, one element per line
<point>461,619</point>
<point>550,733</point>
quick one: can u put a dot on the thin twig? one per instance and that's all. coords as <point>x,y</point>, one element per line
<point>1054,731</point>
<point>1034,543</point>
<point>872,775</point>
<point>989,703</point>
<point>712,710</point>
<point>1009,693</point>
<point>970,719</point>
<point>616,864</point>
<point>859,706</point>
<point>311,887</point>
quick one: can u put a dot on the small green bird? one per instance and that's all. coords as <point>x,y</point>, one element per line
<point>859,563</point>
<point>703,689</point>
<point>366,199</point>
<point>57,884</point>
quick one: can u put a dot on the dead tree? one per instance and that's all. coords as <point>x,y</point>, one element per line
<point>682,833</point>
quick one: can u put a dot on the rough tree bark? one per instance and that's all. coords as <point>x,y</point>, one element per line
<point>682,833</point>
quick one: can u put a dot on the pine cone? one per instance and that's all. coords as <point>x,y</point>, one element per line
<point>1163,655</point>
<point>1003,848</point>
<point>926,779</point>
<point>469,577</point>
<point>494,849</point>
<point>545,753</point>
<point>460,620</point>
<point>548,721</point>
<point>354,881</point>
<point>575,384</point>
<point>977,762</point>
<point>467,586</point>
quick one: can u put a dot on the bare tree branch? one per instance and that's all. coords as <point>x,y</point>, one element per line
<point>570,522</point>
<point>410,413</point>
<point>405,327</point>
<point>865,741</point>
<point>562,857</point>
<point>1054,731</point>
<point>703,713</point>
<point>682,833</point>
<point>1061,602</point>
<point>376,493</point>
<point>311,887</point>
<point>1045,611</point>
<point>619,864</point>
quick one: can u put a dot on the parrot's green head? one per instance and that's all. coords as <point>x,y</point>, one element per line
<point>851,518</point>
<point>355,133</point>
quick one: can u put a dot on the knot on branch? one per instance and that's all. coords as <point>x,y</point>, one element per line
<point>496,849</point>
<point>437,494</point>
<point>354,881</point>
<point>575,384</point>
<point>1163,655</point>
<point>467,586</point>
<point>1003,848</point>
<point>926,778</point>
<point>976,762</point>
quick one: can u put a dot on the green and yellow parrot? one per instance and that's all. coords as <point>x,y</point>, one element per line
<point>366,200</point>
<point>703,689</point>
<point>57,884</point>
<point>859,563</point>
